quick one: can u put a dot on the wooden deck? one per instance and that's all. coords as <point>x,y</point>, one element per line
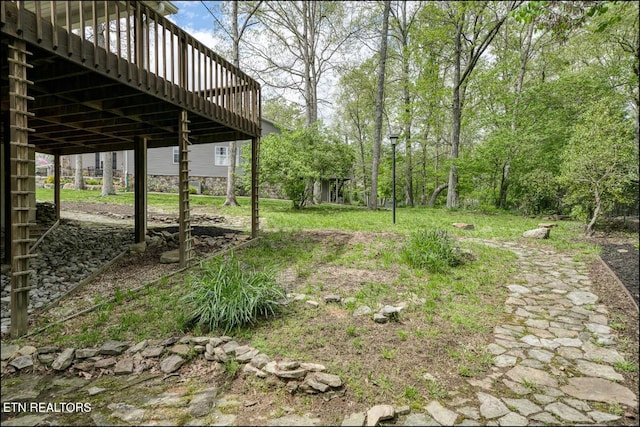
<point>95,89</point>
<point>98,76</point>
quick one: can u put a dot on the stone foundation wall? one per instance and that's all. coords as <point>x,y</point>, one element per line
<point>212,186</point>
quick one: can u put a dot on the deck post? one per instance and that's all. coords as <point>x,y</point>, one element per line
<point>255,217</point>
<point>186,241</point>
<point>32,184</point>
<point>6,193</point>
<point>56,184</point>
<point>21,186</point>
<point>140,187</point>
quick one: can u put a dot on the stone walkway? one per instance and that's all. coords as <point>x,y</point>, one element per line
<point>556,363</point>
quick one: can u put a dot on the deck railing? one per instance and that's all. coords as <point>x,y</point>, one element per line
<point>129,40</point>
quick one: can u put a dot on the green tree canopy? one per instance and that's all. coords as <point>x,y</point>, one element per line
<point>295,159</point>
<point>598,163</point>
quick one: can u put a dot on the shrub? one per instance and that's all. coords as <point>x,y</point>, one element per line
<point>49,179</point>
<point>432,250</point>
<point>193,190</point>
<point>93,181</point>
<point>226,295</point>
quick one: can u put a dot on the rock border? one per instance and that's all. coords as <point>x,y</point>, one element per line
<point>168,356</point>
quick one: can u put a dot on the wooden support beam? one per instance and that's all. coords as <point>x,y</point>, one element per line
<point>186,241</point>
<point>255,213</point>
<point>21,183</point>
<point>140,191</point>
<point>56,184</point>
<point>32,184</point>
<point>6,169</point>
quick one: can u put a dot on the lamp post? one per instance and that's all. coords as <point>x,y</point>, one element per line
<point>394,138</point>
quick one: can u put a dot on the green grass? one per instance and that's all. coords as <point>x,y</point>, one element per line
<point>462,301</point>
<point>307,247</point>
<point>279,215</point>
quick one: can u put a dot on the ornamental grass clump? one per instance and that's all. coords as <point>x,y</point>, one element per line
<point>227,294</point>
<point>434,251</point>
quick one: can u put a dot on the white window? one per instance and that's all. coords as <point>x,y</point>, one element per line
<point>222,156</point>
<point>176,155</point>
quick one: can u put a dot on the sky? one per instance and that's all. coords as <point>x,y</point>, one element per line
<point>194,18</point>
<point>197,20</point>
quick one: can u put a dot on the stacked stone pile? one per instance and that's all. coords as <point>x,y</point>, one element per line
<point>121,358</point>
<point>66,256</point>
<point>45,213</point>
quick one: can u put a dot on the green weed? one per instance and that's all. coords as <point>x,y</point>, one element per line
<point>226,295</point>
<point>625,366</point>
<point>434,251</point>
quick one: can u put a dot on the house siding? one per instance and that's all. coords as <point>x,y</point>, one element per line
<point>162,173</point>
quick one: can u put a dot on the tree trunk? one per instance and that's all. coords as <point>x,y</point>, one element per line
<point>78,183</point>
<point>423,174</point>
<point>230,200</point>
<point>377,141</point>
<point>589,232</point>
<point>107,174</point>
<point>407,137</point>
<point>436,192</point>
<point>406,99</point>
<point>524,59</point>
<point>452,193</point>
<point>365,193</point>
<point>231,176</point>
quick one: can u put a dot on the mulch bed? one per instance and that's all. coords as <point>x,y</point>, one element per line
<point>623,259</point>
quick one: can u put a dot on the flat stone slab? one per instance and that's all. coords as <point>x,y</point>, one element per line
<point>523,406</point>
<point>203,402</point>
<point>591,369</point>
<point>513,419</point>
<point>171,364</point>
<point>419,420</point>
<point>127,413</point>
<point>328,379</point>
<point>505,360</point>
<point>441,414</point>
<point>332,298</point>
<point>380,413</point>
<point>363,310</point>
<point>566,413</point>
<point>295,420</point>
<point>154,351</point>
<point>8,350</point>
<point>537,233</point>
<point>521,374</point>
<point>600,390</point>
<point>581,298</point>
<point>354,420</point>
<point>519,289</point>
<point>113,348</point>
<point>63,361</point>
<point>595,352</point>
<point>490,407</point>
<point>123,367</point>
<point>181,349</point>
<point>22,362</point>
<point>105,363</point>
<point>83,353</point>
<point>27,420</point>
